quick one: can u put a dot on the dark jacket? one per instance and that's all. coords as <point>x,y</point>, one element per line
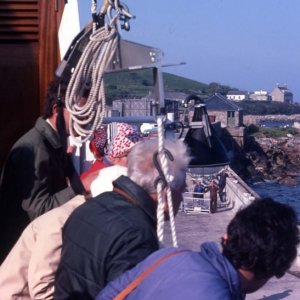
<point>103,238</point>
<point>33,180</point>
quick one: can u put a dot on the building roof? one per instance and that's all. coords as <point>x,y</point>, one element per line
<point>284,89</point>
<point>236,93</point>
<point>177,96</point>
<point>260,93</point>
<point>220,103</point>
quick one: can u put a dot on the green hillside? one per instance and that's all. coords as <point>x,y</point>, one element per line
<point>139,83</point>
<point>181,84</point>
<point>136,84</point>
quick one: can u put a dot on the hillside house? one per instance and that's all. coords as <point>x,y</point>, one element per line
<point>281,93</point>
<point>260,96</point>
<point>143,107</point>
<point>230,115</point>
<point>227,112</point>
<point>237,95</point>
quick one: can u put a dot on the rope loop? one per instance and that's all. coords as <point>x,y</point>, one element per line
<point>161,176</point>
<point>163,183</point>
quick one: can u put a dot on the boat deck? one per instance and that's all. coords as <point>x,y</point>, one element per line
<point>193,229</point>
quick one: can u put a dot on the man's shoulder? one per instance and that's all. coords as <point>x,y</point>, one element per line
<point>96,212</point>
<point>91,207</point>
<point>108,203</point>
<point>30,138</point>
<point>59,214</point>
<point>26,146</point>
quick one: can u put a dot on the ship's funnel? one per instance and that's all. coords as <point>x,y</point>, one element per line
<point>205,146</point>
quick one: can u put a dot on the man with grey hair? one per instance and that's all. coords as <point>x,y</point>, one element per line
<point>111,234</point>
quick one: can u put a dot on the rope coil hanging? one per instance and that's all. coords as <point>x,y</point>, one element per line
<point>87,113</point>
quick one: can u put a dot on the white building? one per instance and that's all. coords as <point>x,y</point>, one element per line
<point>237,95</point>
<point>260,96</point>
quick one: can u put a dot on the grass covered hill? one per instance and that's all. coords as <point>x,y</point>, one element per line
<point>137,84</point>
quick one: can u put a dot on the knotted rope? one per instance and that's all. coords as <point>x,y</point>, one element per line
<point>160,188</point>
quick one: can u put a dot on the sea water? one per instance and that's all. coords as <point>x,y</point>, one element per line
<point>276,123</point>
<point>280,192</point>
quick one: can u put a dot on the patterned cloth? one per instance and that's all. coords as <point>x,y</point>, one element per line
<point>99,141</point>
<point>125,139</point>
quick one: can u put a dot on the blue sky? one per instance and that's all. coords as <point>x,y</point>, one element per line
<point>247,44</point>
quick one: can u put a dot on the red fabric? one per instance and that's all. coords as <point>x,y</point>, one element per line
<point>125,139</point>
<point>96,166</point>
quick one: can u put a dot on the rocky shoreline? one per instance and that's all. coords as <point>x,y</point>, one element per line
<point>269,159</point>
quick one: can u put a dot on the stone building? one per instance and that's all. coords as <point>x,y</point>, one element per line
<point>143,107</point>
<point>230,115</point>
<point>227,112</point>
<point>281,93</point>
<point>134,107</point>
<point>260,96</point>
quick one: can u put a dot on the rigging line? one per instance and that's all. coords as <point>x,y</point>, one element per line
<point>163,158</point>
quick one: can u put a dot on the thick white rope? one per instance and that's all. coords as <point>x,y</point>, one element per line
<point>98,53</point>
<point>161,203</point>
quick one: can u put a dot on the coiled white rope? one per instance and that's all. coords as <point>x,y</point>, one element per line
<point>161,199</point>
<point>87,114</point>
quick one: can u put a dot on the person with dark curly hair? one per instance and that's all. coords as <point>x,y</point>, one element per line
<point>260,242</point>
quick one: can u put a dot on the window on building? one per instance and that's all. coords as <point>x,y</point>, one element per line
<point>230,114</point>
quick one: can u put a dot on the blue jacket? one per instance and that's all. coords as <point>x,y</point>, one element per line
<point>189,276</point>
<point>105,237</point>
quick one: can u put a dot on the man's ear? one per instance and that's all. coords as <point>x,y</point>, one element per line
<point>54,110</point>
<point>225,237</point>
